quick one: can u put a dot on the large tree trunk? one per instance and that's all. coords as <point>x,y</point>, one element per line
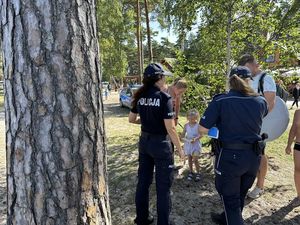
<point>56,154</point>
<point>148,31</point>
<point>138,39</point>
<point>228,41</point>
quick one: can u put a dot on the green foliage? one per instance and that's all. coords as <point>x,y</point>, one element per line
<point>287,81</point>
<point>226,30</point>
<point>181,14</point>
<point>164,49</point>
<point>203,83</point>
<point>195,97</point>
<point>116,36</point>
<point>257,26</point>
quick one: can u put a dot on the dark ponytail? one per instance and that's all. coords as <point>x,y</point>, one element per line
<point>148,82</point>
<point>238,84</point>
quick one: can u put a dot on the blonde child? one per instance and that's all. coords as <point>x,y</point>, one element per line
<point>192,145</point>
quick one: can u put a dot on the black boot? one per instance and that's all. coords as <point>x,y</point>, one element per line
<point>149,220</point>
<point>218,218</point>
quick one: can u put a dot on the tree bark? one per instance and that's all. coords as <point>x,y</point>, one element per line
<point>228,42</point>
<point>138,39</point>
<point>55,138</point>
<point>148,32</point>
<point>181,39</point>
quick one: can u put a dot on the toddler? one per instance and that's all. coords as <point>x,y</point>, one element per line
<point>192,145</point>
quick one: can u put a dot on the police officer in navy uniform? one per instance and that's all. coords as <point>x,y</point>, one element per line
<point>155,111</point>
<point>238,116</point>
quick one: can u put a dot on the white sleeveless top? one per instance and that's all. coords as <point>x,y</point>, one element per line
<point>191,132</point>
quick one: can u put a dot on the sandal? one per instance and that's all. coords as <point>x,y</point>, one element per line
<point>190,176</point>
<point>197,178</point>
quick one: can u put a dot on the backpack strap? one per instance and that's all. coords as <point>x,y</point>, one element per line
<point>261,84</point>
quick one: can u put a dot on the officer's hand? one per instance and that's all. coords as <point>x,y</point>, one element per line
<point>288,150</point>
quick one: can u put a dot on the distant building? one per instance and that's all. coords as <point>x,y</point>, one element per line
<point>273,61</point>
<point>169,63</point>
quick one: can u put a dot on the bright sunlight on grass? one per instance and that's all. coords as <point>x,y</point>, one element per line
<point>1,101</point>
<point>122,139</point>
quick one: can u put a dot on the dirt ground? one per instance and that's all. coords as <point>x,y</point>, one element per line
<point>192,202</point>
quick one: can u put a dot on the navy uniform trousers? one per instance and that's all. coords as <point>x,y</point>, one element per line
<point>154,150</point>
<point>235,173</point>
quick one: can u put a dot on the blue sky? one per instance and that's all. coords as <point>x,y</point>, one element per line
<point>162,33</point>
<point>171,35</point>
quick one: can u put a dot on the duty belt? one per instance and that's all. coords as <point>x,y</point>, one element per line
<point>149,135</point>
<point>238,146</point>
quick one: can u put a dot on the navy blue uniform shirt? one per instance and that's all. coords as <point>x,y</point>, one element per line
<point>238,117</point>
<point>153,107</point>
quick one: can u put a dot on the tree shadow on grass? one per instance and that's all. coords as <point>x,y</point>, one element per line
<point>273,191</point>
<point>192,202</point>
<point>2,114</point>
<point>122,159</point>
<point>122,176</point>
<point>115,110</point>
<point>3,192</point>
<point>278,216</point>
<point>272,164</point>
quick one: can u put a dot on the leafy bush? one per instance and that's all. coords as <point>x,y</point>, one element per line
<point>203,83</point>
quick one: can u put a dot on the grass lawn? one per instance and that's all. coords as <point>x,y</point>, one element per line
<point>1,102</point>
<point>192,202</point>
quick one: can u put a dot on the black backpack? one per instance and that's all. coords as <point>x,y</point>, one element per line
<point>283,94</point>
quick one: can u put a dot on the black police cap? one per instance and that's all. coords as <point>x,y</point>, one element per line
<point>241,71</point>
<point>154,69</point>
